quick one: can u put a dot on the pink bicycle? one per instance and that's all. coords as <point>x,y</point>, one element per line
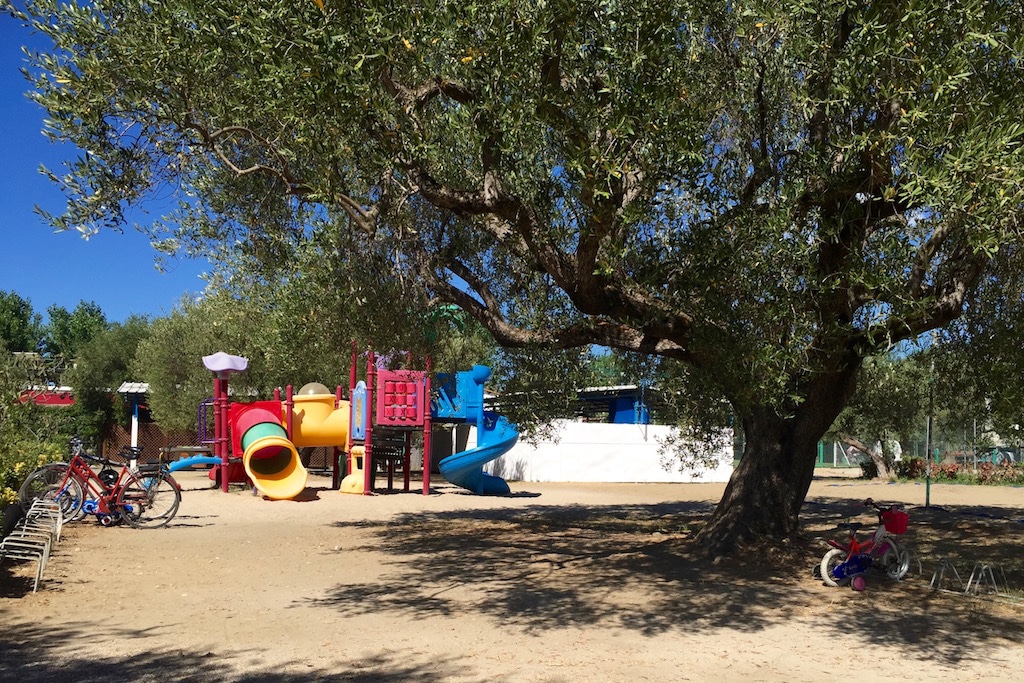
<point>849,561</point>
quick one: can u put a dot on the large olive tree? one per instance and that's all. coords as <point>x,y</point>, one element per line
<point>766,192</point>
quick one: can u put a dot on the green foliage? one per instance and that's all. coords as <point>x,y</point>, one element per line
<point>889,406</point>
<point>102,364</point>
<point>19,324</point>
<point>743,187</point>
<point>20,419</point>
<point>29,435</point>
<point>534,388</point>
<point>67,333</point>
<point>978,360</point>
<point>606,370</point>
<point>296,324</point>
<point>170,358</point>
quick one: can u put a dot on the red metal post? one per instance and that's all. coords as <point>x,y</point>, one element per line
<point>351,390</point>
<point>289,404</point>
<point>427,426</point>
<point>371,376</point>
<point>406,458</point>
<point>221,431</point>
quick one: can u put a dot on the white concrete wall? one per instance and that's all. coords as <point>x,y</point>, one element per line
<point>600,452</point>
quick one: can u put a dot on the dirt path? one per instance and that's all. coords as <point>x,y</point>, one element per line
<point>556,583</point>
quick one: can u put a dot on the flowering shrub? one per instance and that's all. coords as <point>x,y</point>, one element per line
<point>1005,473</point>
<point>18,459</point>
<point>910,468</point>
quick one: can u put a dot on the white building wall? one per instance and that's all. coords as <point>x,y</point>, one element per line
<point>601,452</point>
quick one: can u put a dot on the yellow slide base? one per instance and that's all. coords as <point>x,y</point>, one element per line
<point>352,483</point>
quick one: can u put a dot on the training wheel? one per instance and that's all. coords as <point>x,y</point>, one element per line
<point>858,583</point>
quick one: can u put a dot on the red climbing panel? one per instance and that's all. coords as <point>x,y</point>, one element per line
<point>401,398</point>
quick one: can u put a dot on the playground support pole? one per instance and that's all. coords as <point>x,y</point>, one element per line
<point>289,405</point>
<point>406,460</point>
<point>336,452</point>
<point>427,427</point>
<point>220,411</point>
<point>217,421</point>
<point>351,392</point>
<point>222,365</point>
<point>371,381</point>
<point>928,446</point>
<point>135,421</point>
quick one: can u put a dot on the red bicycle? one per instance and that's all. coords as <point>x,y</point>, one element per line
<point>145,496</point>
<point>849,561</point>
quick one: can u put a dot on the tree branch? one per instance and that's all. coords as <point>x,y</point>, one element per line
<point>212,141</point>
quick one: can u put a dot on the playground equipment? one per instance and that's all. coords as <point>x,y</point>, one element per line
<point>394,403</point>
<point>386,410</point>
<point>269,433</point>
<point>374,427</point>
<point>460,399</point>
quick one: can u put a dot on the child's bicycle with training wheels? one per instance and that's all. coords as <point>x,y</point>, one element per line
<point>849,561</point>
<point>145,496</point>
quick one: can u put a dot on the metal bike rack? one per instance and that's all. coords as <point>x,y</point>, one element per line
<point>984,578</point>
<point>942,572</point>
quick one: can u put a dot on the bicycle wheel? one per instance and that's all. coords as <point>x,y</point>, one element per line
<point>894,559</point>
<point>147,501</point>
<point>832,559</point>
<point>53,482</point>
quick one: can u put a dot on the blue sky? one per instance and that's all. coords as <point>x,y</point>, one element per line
<point>116,271</point>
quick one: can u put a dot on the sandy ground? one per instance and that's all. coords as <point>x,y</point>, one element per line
<point>558,582</point>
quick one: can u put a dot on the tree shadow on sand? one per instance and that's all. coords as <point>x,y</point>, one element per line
<point>40,654</point>
<point>632,566</point>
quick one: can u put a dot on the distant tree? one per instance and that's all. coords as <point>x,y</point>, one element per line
<point>296,325</point>
<point>169,359</point>
<point>65,333</point>
<point>889,407</point>
<point>29,435</point>
<point>606,369</point>
<point>22,422</point>
<point>19,324</point>
<point>101,364</point>
<point>13,380</point>
<point>979,361</point>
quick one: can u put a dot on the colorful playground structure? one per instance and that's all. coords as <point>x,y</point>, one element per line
<point>257,442</point>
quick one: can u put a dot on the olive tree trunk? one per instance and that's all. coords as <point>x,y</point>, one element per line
<point>769,484</point>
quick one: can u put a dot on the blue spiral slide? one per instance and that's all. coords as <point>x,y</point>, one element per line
<point>460,400</point>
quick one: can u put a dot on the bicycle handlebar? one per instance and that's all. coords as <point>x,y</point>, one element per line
<point>868,502</point>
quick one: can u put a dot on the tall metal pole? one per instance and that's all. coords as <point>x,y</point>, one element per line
<point>928,445</point>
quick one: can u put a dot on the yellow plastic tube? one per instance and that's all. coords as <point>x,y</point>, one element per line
<point>317,422</point>
<point>269,457</point>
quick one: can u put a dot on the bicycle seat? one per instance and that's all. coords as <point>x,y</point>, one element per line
<point>852,526</point>
<point>131,452</point>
